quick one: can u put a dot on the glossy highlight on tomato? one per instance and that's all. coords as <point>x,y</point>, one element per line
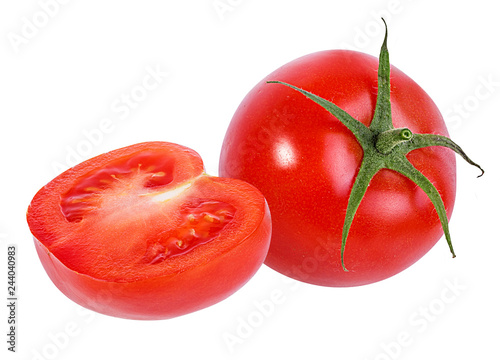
<point>143,232</point>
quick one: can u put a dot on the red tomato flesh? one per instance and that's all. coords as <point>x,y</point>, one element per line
<point>144,228</point>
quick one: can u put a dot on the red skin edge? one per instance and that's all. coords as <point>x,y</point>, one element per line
<point>179,293</point>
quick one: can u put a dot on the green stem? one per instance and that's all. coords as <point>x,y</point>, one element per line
<point>360,130</point>
<point>407,169</point>
<point>424,140</point>
<point>366,172</point>
<point>387,140</point>
<point>382,118</point>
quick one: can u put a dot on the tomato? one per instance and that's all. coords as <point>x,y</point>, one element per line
<point>350,205</point>
<point>143,232</point>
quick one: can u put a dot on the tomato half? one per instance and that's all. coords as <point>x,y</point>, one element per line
<point>305,162</point>
<point>143,233</point>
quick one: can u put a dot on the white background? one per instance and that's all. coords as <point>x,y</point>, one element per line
<point>66,68</point>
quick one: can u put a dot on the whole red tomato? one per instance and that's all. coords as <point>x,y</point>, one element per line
<point>142,232</point>
<point>357,195</point>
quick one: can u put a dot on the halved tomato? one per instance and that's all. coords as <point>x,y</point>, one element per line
<point>143,232</point>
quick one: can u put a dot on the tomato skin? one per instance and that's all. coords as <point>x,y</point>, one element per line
<point>165,297</point>
<point>305,162</point>
<point>189,282</point>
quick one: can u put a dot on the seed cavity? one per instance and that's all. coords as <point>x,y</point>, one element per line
<point>202,222</point>
<point>145,171</point>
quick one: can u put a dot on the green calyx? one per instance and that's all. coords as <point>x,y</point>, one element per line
<point>385,147</point>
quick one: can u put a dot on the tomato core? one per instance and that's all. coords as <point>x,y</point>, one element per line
<point>121,180</point>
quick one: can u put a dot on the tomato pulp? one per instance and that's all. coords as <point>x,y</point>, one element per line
<point>143,233</point>
<point>305,162</point>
